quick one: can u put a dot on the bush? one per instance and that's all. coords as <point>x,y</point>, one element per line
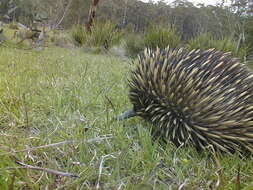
<point>161,37</point>
<point>226,44</point>
<point>61,40</point>
<point>79,35</point>
<point>134,44</point>
<point>104,35</point>
<point>203,41</point>
<point>13,26</point>
<point>249,35</point>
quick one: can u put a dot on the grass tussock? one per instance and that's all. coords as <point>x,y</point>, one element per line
<point>161,37</point>
<point>102,35</point>
<point>134,44</point>
<point>58,95</point>
<point>225,44</point>
<point>79,35</point>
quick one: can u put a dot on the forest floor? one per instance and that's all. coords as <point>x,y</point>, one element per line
<point>57,130</point>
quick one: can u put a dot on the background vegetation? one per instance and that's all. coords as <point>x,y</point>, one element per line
<point>226,27</point>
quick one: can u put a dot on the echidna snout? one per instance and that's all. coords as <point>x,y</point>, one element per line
<point>195,97</point>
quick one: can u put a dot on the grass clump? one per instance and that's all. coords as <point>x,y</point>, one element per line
<point>161,37</point>
<point>104,35</point>
<point>62,39</point>
<point>13,26</point>
<point>79,35</point>
<point>226,44</point>
<point>249,36</point>
<point>203,41</point>
<point>134,44</point>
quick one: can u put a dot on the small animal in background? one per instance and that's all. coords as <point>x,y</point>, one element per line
<point>41,36</point>
<point>26,34</point>
<point>2,36</point>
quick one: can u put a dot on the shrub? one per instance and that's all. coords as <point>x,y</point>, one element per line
<point>249,35</point>
<point>104,35</point>
<point>79,35</point>
<point>62,40</point>
<point>161,37</point>
<point>225,44</point>
<point>13,26</point>
<point>203,41</point>
<point>134,44</point>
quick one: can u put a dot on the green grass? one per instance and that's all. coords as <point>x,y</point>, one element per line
<point>226,44</point>
<point>161,37</point>
<point>59,94</point>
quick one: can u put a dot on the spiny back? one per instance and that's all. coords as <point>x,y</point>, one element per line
<point>201,97</point>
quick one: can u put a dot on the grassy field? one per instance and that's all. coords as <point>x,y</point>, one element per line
<point>70,97</point>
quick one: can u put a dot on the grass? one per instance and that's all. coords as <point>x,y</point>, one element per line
<point>60,94</point>
<point>225,44</point>
<point>134,44</point>
<point>161,37</point>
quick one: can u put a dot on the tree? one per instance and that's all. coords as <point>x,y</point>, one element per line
<point>92,14</point>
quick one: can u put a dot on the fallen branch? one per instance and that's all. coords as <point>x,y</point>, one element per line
<point>100,172</point>
<point>55,172</point>
<point>63,143</point>
<point>46,146</point>
<point>101,166</point>
<point>219,171</point>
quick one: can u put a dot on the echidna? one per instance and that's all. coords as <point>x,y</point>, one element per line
<point>194,97</point>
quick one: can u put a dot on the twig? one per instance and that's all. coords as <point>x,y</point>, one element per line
<point>100,171</point>
<point>11,186</point>
<point>55,172</point>
<point>238,179</point>
<point>26,110</point>
<point>46,146</point>
<point>101,165</point>
<point>219,170</point>
<point>110,102</point>
<point>64,142</point>
<point>183,184</point>
<point>121,184</point>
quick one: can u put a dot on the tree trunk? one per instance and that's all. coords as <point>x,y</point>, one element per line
<point>92,14</point>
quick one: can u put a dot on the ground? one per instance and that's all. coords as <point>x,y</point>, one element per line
<point>57,95</point>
